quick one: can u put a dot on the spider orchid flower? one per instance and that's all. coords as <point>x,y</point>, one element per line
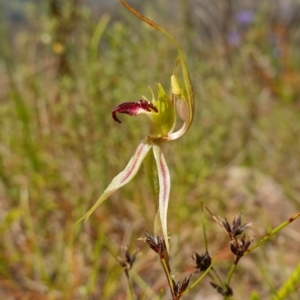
<point>161,111</point>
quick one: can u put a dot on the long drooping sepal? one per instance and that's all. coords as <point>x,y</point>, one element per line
<point>124,177</point>
<point>164,190</point>
<point>186,93</point>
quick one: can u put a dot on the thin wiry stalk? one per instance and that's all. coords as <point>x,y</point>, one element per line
<point>272,233</point>
<point>217,275</point>
<point>168,275</point>
<point>230,273</point>
<point>130,294</point>
<point>143,285</point>
<point>203,227</point>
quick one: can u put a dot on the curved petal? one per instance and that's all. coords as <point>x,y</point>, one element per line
<point>177,134</point>
<point>124,177</point>
<point>164,190</point>
<point>184,101</point>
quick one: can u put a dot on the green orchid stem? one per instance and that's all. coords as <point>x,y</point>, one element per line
<point>168,275</point>
<point>200,278</point>
<point>152,176</point>
<point>272,233</point>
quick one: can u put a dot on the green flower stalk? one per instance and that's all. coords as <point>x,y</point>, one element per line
<point>161,111</point>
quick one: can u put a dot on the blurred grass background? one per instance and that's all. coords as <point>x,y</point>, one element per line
<point>65,64</point>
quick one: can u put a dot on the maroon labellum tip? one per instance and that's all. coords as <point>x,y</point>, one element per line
<point>132,108</point>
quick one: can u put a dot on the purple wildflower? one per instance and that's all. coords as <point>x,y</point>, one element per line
<point>244,17</point>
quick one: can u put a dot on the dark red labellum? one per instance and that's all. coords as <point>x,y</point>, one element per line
<point>132,108</point>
